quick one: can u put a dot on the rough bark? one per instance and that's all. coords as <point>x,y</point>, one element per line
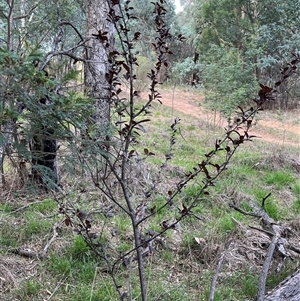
<point>288,290</point>
<point>96,67</point>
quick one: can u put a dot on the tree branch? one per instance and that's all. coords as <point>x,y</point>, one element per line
<point>26,15</point>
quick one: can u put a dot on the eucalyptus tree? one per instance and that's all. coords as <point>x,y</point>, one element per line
<point>100,40</point>
<point>249,38</point>
<point>278,36</point>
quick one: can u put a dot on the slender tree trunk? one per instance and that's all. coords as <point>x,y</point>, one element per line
<point>97,50</point>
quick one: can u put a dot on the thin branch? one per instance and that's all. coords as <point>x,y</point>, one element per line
<point>215,277</point>
<point>264,200</point>
<point>51,241</point>
<point>243,211</point>
<point>26,15</point>
<point>264,273</point>
<point>271,234</point>
<point>57,287</point>
<point>76,30</point>
<point>68,52</point>
<point>26,206</point>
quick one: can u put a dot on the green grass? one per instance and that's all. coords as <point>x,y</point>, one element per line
<point>296,205</point>
<point>29,290</point>
<point>280,179</point>
<point>296,189</point>
<point>6,208</point>
<point>276,277</point>
<point>181,271</point>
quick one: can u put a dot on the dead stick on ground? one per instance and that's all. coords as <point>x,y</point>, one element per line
<point>51,241</point>
<point>215,278</point>
<point>264,273</point>
<point>42,255</point>
<point>27,205</point>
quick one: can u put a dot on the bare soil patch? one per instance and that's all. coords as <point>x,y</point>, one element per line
<point>270,129</point>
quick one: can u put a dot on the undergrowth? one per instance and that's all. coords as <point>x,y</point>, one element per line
<point>178,269</point>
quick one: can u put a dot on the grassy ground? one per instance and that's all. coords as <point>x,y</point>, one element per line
<point>183,269</point>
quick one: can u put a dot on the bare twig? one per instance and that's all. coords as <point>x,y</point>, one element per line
<point>271,234</point>
<point>243,211</point>
<point>28,13</point>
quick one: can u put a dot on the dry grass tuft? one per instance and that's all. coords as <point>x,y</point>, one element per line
<point>12,271</point>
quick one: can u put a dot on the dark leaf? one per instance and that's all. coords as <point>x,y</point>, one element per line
<point>126,67</point>
<point>164,224</point>
<point>152,209</point>
<point>293,62</point>
<point>67,222</point>
<point>80,214</point>
<point>115,2</point>
<point>131,153</point>
<point>137,35</point>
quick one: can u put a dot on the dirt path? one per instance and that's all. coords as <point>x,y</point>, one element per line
<point>272,130</point>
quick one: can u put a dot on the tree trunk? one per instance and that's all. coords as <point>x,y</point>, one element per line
<point>97,50</point>
<point>44,158</point>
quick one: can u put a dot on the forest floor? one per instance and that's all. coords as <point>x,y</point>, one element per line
<point>30,221</point>
<point>283,127</point>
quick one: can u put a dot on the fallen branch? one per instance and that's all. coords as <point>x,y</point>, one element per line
<point>41,255</point>
<point>287,290</point>
<point>264,273</point>
<point>27,205</point>
<point>278,243</point>
<point>215,277</point>
<point>51,241</point>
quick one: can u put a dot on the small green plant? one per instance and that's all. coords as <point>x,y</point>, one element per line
<point>60,265</point>
<point>6,208</point>
<point>122,224</point>
<point>32,288</point>
<point>48,205</point>
<point>226,223</point>
<point>296,189</point>
<point>79,251</point>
